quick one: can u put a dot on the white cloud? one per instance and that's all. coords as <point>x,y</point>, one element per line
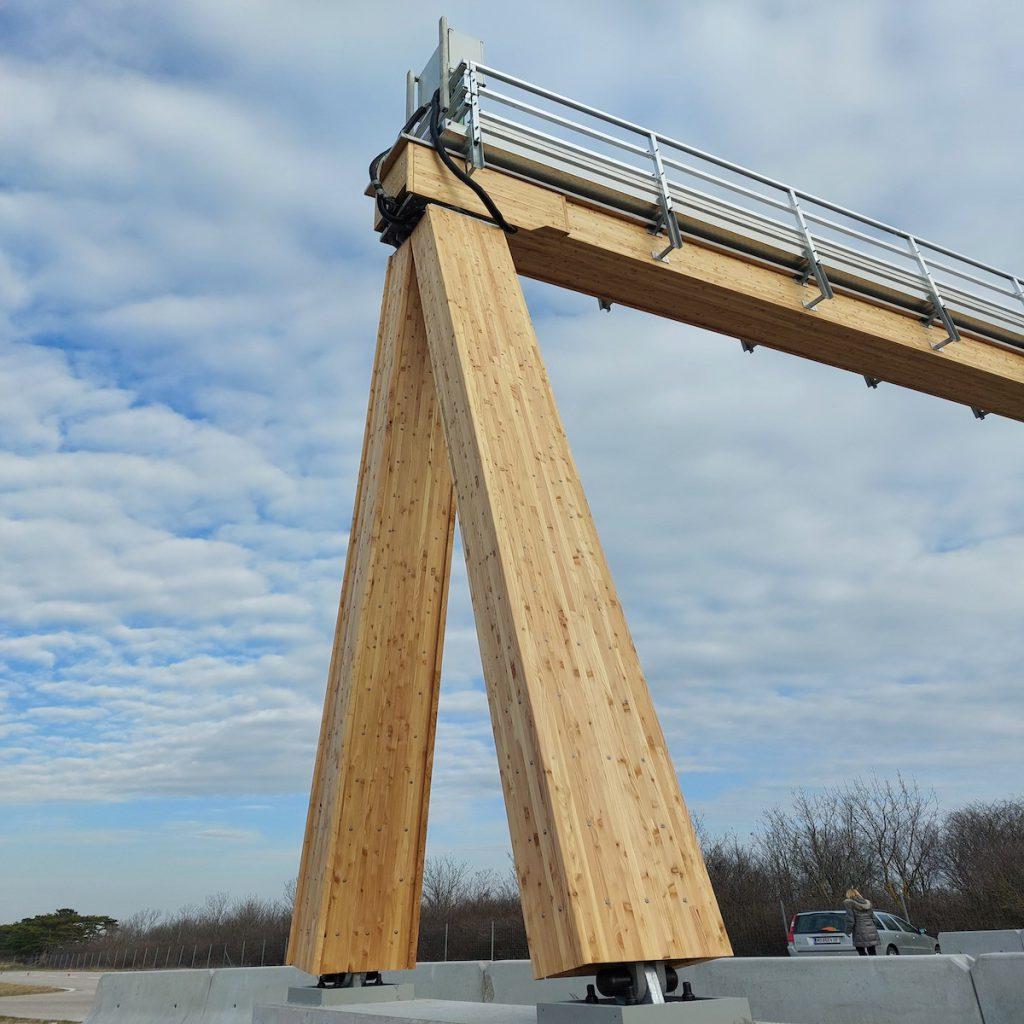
<point>188,300</point>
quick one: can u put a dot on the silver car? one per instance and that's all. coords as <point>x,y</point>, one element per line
<point>823,933</point>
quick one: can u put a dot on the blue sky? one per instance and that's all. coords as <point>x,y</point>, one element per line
<point>822,580</point>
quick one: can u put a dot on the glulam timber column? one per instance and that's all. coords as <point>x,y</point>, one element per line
<point>608,863</point>
<point>358,897</point>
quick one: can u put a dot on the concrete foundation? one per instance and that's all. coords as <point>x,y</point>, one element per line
<point>728,1010</point>
<point>807,990</point>
<point>189,997</point>
<point>312,996</point>
<point>1004,940</point>
<point>512,982</point>
<point>845,990</point>
<point>415,1011</point>
<point>999,982</point>
<point>462,980</point>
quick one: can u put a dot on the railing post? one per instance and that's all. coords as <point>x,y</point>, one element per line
<point>667,219</point>
<point>474,131</point>
<point>814,267</point>
<point>938,307</point>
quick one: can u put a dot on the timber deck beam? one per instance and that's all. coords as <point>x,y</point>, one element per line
<point>568,241</point>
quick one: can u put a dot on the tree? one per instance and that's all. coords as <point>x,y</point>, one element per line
<point>983,857</point>
<point>32,936</point>
<point>445,883</point>
<point>901,825</point>
<point>817,850</point>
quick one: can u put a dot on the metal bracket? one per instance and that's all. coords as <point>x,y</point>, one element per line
<point>636,983</point>
<point>667,219</point>
<point>938,306</point>
<point>814,267</point>
<point>604,304</point>
<point>872,382</point>
<point>748,346</point>
<point>979,414</point>
<point>474,136</point>
<point>1018,289</point>
<point>350,979</point>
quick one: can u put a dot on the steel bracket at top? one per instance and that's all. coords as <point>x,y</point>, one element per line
<point>938,310</point>
<point>667,217</point>
<point>814,268</point>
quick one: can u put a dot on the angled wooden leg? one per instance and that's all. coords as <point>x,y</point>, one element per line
<point>608,863</point>
<point>358,898</point>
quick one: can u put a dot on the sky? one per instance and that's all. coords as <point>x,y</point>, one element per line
<point>822,580</point>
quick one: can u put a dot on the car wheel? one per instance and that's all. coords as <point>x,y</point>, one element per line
<point>892,951</point>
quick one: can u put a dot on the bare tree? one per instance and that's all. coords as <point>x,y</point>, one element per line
<point>445,883</point>
<point>901,825</point>
<point>983,857</point>
<point>816,850</point>
<point>288,897</point>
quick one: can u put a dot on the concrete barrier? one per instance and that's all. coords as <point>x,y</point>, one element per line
<point>151,997</point>
<point>222,996</point>
<point>234,991</point>
<point>845,990</point>
<point>512,982</point>
<point>412,1011</point>
<point>947,989</point>
<point>999,983</point>
<point>1006,940</point>
<point>461,980</point>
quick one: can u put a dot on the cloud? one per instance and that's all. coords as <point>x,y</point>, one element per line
<point>188,300</point>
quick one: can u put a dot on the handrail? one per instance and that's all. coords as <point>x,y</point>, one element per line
<point>980,309</point>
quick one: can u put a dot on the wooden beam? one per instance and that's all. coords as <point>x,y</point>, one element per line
<point>588,249</point>
<point>608,864</point>
<point>358,899</point>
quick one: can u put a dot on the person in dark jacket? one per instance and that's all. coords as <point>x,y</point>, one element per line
<point>861,922</point>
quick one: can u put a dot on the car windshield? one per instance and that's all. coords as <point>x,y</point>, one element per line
<point>824,922</point>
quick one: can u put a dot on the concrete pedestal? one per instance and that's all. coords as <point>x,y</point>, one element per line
<point>311,995</point>
<point>725,1010</point>
<point>412,1011</point>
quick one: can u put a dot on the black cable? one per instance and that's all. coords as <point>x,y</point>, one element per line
<point>435,138</point>
<point>386,204</point>
<point>389,207</point>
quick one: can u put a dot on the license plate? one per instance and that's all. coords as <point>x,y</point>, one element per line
<point>827,940</point>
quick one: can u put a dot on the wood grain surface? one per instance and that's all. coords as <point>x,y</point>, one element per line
<point>358,898</point>
<point>609,867</point>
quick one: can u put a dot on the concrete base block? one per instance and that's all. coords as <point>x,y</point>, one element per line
<point>454,979</point>
<point>412,1011</point>
<point>999,982</point>
<point>725,1010</point>
<point>313,996</point>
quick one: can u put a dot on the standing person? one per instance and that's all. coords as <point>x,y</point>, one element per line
<point>861,922</point>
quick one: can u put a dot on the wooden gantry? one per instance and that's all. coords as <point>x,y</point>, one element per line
<point>462,415</point>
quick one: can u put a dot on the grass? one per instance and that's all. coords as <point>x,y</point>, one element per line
<point>26,1020</point>
<point>9,989</point>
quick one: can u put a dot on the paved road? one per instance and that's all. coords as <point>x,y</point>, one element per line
<point>71,1004</point>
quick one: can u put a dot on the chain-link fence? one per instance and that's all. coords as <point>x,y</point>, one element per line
<point>757,933</point>
<point>757,929</point>
<point>261,952</point>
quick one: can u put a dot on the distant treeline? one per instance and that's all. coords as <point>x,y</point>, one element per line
<point>960,870</point>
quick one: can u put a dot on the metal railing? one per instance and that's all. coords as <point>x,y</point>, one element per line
<point>502,121</point>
